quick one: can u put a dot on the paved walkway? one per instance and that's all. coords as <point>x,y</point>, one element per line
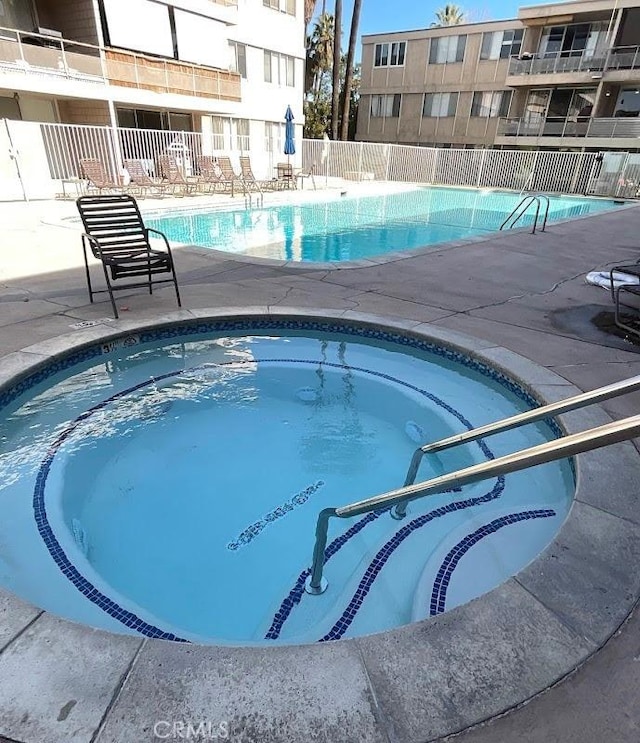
<point>524,292</point>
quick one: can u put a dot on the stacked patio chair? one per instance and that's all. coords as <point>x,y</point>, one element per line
<point>98,178</point>
<point>117,237</point>
<point>143,180</point>
<point>174,177</point>
<point>212,174</point>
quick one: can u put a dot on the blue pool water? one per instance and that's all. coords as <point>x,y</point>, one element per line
<point>170,487</point>
<point>347,228</point>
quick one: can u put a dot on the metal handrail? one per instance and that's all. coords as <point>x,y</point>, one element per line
<point>521,209</point>
<point>625,387</point>
<point>577,443</point>
<point>610,433</point>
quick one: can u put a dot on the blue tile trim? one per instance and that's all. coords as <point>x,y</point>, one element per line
<point>297,592</point>
<point>255,325</point>
<point>127,618</point>
<point>190,328</point>
<point>443,577</point>
<point>55,550</point>
<point>251,532</point>
<point>383,555</point>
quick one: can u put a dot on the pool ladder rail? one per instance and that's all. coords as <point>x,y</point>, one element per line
<point>523,207</point>
<point>566,446</point>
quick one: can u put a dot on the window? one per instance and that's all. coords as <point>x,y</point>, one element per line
<point>390,55</point>
<point>139,118</point>
<point>279,69</point>
<point>491,104</point>
<point>238,58</point>
<point>217,132</point>
<point>387,106</point>
<point>447,49</point>
<point>440,104</point>
<point>284,6</point>
<point>274,136</point>
<point>501,44</point>
<point>575,40</point>
<point>240,134</point>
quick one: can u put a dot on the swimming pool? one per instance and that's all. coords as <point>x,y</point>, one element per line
<point>167,483</point>
<point>351,227</point>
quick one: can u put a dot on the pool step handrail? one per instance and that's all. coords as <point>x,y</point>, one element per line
<point>523,206</point>
<point>566,446</point>
<point>584,399</point>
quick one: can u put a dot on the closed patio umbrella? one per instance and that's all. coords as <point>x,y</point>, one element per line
<point>289,134</point>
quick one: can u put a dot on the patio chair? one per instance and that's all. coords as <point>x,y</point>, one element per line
<point>96,174</point>
<point>173,176</point>
<point>118,238</point>
<point>249,179</point>
<point>285,176</point>
<point>141,178</point>
<point>618,289</point>
<point>212,173</point>
<point>228,174</point>
<point>310,173</point>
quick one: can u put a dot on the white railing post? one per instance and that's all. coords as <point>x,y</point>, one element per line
<point>481,168</point>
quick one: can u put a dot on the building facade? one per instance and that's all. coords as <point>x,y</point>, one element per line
<point>228,68</point>
<point>560,76</point>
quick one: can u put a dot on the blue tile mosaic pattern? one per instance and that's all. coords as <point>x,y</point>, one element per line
<point>297,592</point>
<point>383,555</point>
<point>443,577</point>
<point>250,325</point>
<point>251,532</point>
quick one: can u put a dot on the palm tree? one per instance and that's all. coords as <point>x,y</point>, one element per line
<point>348,77</point>
<point>335,93</point>
<point>319,52</point>
<point>450,15</point>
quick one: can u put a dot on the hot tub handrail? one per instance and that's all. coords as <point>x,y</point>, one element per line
<point>577,443</point>
<point>584,399</point>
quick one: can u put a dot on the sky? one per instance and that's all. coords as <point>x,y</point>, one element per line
<point>377,16</point>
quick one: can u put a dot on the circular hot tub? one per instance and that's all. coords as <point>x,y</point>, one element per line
<point>167,482</point>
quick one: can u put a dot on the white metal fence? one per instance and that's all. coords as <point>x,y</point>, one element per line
<point>533,170</point>
<point>42,160</point>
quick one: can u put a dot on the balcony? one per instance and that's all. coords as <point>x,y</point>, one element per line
<point>572,127</point>
<point>559,63</point>
<point>37,55</point>
<point>616,59</point>
<point>132,70</point>
<point>49,56</point>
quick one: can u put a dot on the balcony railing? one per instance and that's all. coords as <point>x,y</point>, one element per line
<point>51,56</point>
<point>575,126</point>
<point>36,54</point>
<point>616,58</point>
<point>132,70</point>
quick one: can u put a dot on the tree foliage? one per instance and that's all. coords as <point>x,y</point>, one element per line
<point>319,84</point>
<point>449,15</point>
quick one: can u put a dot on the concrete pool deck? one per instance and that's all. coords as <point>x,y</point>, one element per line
<point>520,292</point>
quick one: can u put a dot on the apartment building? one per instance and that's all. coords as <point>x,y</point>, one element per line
<point>228,68</point>
<point>560,76</point>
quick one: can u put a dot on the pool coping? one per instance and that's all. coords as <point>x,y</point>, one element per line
<point>421,681</point>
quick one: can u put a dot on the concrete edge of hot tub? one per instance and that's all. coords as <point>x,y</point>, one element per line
<point>416,683</point>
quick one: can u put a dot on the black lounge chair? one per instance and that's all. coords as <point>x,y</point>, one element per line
<point>116,234</point>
